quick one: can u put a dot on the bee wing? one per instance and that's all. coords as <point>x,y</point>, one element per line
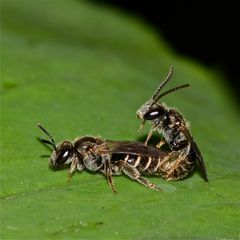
<point>199,158</point>
<point>134,148</point>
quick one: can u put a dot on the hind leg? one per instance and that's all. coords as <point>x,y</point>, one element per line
<point>134,174</point>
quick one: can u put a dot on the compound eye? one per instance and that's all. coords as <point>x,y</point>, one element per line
<point>151,115</point>
<point>63,156</point>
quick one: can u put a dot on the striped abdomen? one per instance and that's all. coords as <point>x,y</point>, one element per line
<point>144,164</point>
<point>171,166</point>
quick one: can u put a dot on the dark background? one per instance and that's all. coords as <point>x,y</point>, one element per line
<point>201,30</point>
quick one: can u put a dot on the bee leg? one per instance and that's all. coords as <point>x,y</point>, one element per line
<point>109,176</point>
<point>177,170</point>
<point>111,182</point>
<point>162,142</point>
<point>73,168</point>
<point>148,136</point>
<point>134,174</point>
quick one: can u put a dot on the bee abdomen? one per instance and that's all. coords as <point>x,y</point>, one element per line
<point>175,167</point>
<point>148,165</point>
<point>142,163</point>
<point>133,160</point>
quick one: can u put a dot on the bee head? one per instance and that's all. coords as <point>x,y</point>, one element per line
<point>153,110</point>
<point>63,153</point>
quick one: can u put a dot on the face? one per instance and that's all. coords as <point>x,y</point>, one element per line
<point>144,109</point>
<point>63,155</point>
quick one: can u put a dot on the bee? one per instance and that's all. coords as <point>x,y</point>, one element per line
<point>108,157</point>
<point>175,132</point>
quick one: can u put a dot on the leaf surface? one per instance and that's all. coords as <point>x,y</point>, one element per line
<point>82,69</point>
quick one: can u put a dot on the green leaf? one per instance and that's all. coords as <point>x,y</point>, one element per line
<point>82,69</point>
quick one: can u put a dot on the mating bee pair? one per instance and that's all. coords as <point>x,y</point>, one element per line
<point>135,159</point>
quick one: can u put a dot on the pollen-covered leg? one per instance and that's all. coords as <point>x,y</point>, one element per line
<point>134,174</point>
<point>179,168</point>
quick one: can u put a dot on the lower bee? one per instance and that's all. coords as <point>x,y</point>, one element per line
<point>95,154</point>
<point>175,132</point>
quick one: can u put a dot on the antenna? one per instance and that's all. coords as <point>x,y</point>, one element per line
<point>168,78</point>
<point>171,90</point>
<point>52,142</point>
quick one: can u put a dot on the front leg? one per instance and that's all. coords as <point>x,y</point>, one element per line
<point>153,129</point>
<point>74,166</point>
<point>134,174</point>
<point>148,136</point>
